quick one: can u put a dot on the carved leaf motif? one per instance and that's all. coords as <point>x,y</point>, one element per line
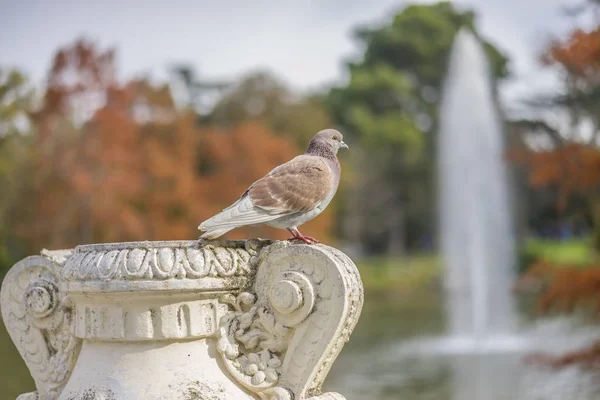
<point>246,320</point>
<point>231,300</point>
<point>38,319</point>
<point>227,344</point>
<point>275,335</point>
<point>250,339</point>
<point>267,320</point>
<point>28,396</point>
<point>256,344</point>
<point>295,328</point>
<point>142,261</point>
<point>246,299</point>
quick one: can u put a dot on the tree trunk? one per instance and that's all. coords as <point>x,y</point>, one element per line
<point>396,232</point>
<point>596,230</point>
<point>87,229</point>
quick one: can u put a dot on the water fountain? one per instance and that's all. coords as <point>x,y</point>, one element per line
<point>477,239</point>
<point>480,356</point>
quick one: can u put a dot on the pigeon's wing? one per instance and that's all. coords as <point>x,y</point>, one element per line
<point>240,213</point>
<point>299,185</point>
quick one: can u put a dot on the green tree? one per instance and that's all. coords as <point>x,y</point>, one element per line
<point>15,103</point>
<point>561,149</point>
<point>389,107</point>
<point>261,96</point>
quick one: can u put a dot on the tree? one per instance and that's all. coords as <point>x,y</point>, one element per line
<point>118,162</point>
<point>564,153</point>
<point>261,96</point>
<point>389,107</point>
<point>16,98</point>
<point>15,103</point>
<point>67,154</point>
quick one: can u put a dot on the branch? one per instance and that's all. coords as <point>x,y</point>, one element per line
<point>538,126</point>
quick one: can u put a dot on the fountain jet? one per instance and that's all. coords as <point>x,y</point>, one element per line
<point>476,235</point>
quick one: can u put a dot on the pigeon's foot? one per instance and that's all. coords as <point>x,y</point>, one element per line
<point>305,239</point>
<point>311,239</point>
<point>299,236</point>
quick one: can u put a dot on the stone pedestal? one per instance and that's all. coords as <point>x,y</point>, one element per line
<point>182,320</point>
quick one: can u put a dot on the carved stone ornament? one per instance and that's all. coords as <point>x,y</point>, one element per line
<point>182,320</point>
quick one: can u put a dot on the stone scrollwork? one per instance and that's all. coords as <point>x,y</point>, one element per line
<point>252,343</point>
<point>38,317</point>
<point>280,312</point>
<point>160,261</point>
<point>280,341</point>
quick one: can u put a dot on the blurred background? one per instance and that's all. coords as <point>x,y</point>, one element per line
<point>124,121</point>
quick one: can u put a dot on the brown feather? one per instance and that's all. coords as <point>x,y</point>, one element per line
<point>299,185</point>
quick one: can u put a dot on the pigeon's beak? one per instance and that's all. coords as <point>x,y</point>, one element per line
<point>343,145</point>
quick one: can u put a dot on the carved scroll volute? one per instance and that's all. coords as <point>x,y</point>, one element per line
<point>281,341</point>
<point>38,318</point>
<point>317,291</point>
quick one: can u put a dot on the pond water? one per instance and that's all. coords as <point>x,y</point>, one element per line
<point>398,352</point>
<point>390,358</point>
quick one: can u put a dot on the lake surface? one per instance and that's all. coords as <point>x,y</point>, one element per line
<point>387,358</point>
<point>399,352</point>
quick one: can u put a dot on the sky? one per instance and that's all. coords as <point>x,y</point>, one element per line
<point>304,42</point>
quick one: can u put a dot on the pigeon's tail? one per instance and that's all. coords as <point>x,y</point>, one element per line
<point>240,213</point>
<point>215,233</point>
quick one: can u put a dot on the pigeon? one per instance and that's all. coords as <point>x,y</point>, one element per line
<point>288,196</point>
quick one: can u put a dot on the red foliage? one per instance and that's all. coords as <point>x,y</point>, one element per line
<point>132,167</point>
<point>588,357</point>
<point>579,54</point>
<point>573,168</point>
<point>566,286</point>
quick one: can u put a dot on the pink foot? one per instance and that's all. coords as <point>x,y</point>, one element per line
<point>299,236</point>
<point>303,238</point>
<point>312,239</point>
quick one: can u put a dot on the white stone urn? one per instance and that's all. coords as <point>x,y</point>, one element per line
<point>182,320</point>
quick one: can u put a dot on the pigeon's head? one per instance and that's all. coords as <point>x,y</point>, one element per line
<point>329,139</point>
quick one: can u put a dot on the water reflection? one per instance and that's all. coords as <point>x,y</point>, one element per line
<point>490,377</point>
<point>377,366</point>
<point>480,354</point>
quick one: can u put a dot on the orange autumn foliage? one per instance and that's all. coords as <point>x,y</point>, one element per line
<point>137,168</point>
<point>573,168</point>
<point>567,288</point>
<point>579,54</point>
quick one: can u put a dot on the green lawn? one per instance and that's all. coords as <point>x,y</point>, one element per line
<point>408,274</point>
<point>399,274</point>
<point>566,252</point>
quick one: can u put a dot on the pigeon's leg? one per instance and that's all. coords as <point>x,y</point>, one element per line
<point>294,236</point>
<point>298,235</point>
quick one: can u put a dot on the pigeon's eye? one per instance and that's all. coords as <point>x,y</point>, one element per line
<point>336,138</point>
